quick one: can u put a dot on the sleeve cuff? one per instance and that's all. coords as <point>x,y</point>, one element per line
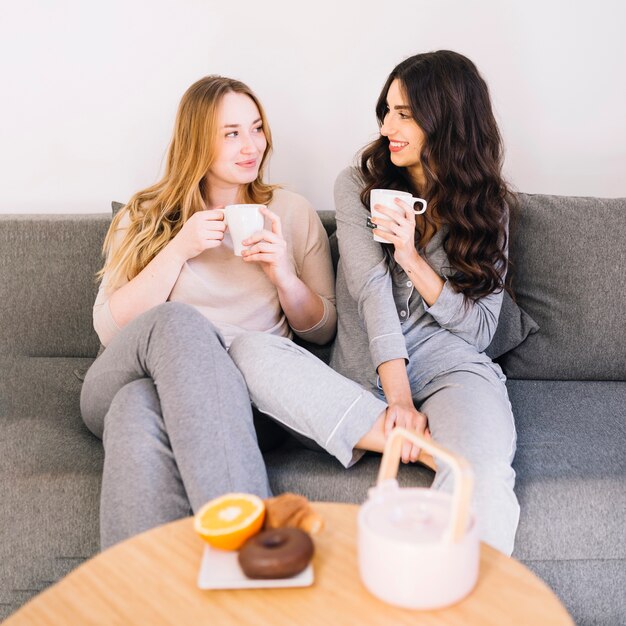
<point>104,324</point>
<point>387,348</point>
<point>324,330</point>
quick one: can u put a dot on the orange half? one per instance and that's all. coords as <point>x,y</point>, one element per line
<point>229,520</point>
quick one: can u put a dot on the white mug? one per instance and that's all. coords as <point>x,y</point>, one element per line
<point>386,197</point>
<point>243,220</point>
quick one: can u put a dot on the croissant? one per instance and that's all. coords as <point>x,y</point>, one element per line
<point>292,510</point>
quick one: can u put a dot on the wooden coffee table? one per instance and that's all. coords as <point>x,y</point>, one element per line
<point>151,579</point>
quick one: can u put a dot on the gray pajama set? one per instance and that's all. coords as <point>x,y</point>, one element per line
<point>382,317</point>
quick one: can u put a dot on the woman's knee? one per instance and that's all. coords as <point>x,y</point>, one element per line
<point>490,478</point>
<point>177,313</point>
<point>484,451</point>
<point>181,322</point>
<point>251,346</point>
<point>134,409</point>
<point>479,427</point>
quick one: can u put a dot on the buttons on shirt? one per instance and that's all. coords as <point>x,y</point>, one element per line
<point>409,283</point>
<point>402,313</point>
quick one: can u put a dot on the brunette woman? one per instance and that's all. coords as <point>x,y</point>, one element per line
<point>417,312</point>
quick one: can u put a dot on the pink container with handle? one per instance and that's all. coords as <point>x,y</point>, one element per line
<point>418,548</point>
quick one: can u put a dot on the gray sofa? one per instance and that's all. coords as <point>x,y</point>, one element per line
<point>567,384</point>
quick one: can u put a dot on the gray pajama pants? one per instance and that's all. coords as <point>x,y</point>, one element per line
<point>175,418</point>
<point>468,412</point>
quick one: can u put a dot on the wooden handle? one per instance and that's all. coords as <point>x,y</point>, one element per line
<point>463,476</point>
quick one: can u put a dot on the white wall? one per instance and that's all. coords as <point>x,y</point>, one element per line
<point>89,90</point>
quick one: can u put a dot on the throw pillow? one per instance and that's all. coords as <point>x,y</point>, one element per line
<point>514,325</point>
<point>569,258</point>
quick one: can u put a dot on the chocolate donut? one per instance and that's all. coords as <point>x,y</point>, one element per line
<point>277,553</point>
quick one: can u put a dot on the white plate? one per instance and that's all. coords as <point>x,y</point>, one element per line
<point>220,570</point>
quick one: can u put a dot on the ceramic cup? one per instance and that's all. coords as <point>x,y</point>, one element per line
<point>243,220</point>
<point>386,197</point>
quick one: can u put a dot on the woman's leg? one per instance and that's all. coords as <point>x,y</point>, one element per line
<point>469,413</point>
<point>295,388</point>
<point>202,397</point>
<point>141,484</point>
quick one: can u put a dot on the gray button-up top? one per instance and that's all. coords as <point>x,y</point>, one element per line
<point>381,316</point>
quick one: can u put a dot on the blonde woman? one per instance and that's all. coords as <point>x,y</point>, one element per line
<point>168,402</point>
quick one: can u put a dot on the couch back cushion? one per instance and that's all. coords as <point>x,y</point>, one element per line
<point>47,283</point>
<point>569,256</point>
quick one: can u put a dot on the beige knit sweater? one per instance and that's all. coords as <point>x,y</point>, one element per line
<point>237,296</point>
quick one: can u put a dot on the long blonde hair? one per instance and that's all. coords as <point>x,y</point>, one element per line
<point>158,213</point>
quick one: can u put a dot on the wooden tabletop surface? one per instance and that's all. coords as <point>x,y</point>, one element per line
<point>152,579</point>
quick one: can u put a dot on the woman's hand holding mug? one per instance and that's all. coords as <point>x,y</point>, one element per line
<point>203,230</point>
<point>270,249</point>
<point>393,216</point>
<point>399,230</point>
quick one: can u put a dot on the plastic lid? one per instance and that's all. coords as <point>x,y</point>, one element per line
<point>409,516</point>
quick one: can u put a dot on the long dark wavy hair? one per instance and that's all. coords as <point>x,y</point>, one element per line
<point>462,163</point>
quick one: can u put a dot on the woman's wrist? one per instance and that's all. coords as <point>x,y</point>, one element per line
<point>401,399</point>
<point>285,280</point>
<point>395,382</point>
<point>173,251</point>
<point>424,278</point>
<point>411,259</point>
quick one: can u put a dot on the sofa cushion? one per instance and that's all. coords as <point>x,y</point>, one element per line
<point>51,468</point>
<point>47,283</point>
<point>570,468</point>
<point>569,258</point>
<point>589,589</point>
